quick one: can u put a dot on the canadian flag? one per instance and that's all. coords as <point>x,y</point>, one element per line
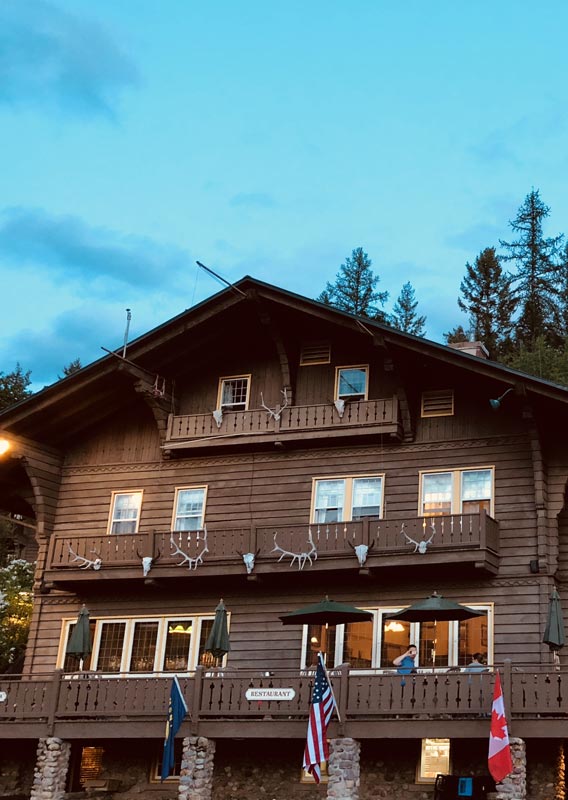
<point>500,760</point>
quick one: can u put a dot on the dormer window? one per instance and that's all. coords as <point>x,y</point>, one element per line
<point>351,383</point>
<point>234,393</point>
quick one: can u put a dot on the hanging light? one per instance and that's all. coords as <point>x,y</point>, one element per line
<point>394,627</point>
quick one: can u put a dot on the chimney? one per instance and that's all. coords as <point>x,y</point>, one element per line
<point>471,348</point>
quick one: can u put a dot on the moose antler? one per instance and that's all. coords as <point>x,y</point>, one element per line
<point>192,562</point>
<point>361,551</point>
<point>301,557</point>
<point>95,563</point>
<point>277,412</point>
<point>419,547</point>
<point>148,561</point>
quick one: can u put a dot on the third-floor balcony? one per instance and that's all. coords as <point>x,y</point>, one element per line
<point>291,423</point>
<point>460,539</point>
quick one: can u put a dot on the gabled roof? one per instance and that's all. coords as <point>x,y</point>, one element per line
<point>97,382</point>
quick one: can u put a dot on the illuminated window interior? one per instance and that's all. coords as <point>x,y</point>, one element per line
<point>434,760</point>
<point>91,764</point>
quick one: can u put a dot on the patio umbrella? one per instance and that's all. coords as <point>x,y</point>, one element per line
<point>435,609</point>
<point>79,643</point>
<point>326,612</point>
<point>218,640</point>
<point>554,631</point>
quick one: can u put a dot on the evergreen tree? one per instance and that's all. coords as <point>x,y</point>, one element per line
<point>16,581</point>
<point>563,292</point>
<point>404,316</point>
<point>542,360</point>
<point>354,289</point>
<point>73,366</point>
<point>536,275</point>
<point>14,386</point>
<point>458,334</point>
<point>488,299</point>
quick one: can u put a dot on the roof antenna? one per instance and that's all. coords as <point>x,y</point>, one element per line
<point>128,318</point>
<point>219,278</point>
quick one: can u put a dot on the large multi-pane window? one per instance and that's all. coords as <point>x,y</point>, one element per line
<point>338,499</point>
<point>351,383</point>
<point>458,491</point>
<point>125,512</point>
<point>189,509</point>
<point>234,393</point>
<point>144,645</point>
<point>375,644</point>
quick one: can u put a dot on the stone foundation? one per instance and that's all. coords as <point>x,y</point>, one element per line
<point>546,770</point>
<point>514,786</point>
<point>196,776</point>
<point>343,769</point>
<point>50,774</point>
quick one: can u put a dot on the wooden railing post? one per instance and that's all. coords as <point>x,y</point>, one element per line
<point>482,522</point>
<point>197,692</point>
<point>343,691</point>
<point>508,692</point>
<point>54,700</point>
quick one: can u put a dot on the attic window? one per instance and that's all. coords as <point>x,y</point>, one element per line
<point>438,403</point>
<point>315,353</point>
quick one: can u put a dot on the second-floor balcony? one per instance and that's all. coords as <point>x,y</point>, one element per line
<point>291,423</point>
<point>464,539</point>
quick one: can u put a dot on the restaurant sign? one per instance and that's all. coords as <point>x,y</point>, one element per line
<point>270,694</point>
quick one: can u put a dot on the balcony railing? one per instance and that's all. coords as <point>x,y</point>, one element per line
<point>530,692</point>
<point>292,422</point>
<point>456,538</point>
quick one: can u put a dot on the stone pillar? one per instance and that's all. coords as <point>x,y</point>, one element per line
<point>50,773</point>
<point>343,769</point>
<point>196,775</point>
<point>514,786</point>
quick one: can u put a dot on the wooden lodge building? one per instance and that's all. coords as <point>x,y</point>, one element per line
<point>247,449</point>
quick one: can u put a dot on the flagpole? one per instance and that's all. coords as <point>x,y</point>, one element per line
<point>320,656</point>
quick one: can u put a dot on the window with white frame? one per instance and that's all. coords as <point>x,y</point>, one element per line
<point>349,498</point>
<point>189,508</point>
<point>457,491</point>
<point>125,512</point>
<point>434,760</point>
<point>375,644</point>
<point>234,393</point>
<point>144,645</point>
<point>351,383</point>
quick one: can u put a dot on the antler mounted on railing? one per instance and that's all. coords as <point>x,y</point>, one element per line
<point>187,559</point>
<point>300,557</point>
<point>276,413</point>
<point>249,559</point>
<point>361,551</point>
<point>148,562</point>
<point>420,547</point>
<point>87,563</point>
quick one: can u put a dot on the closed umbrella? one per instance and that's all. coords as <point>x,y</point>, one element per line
<point>435,609</point>
<point>554,631</point>
<point>79,643</point>
<point>327,612</point>
<point>218,643</point>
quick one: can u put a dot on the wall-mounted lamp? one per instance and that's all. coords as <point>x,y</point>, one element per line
<point>4,446</point>
<point>496,404</point>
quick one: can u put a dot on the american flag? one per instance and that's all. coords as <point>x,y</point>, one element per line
<point>321,709</point>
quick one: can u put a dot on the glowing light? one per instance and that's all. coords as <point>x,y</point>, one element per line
<point>394,627</point>
<point>314,640</point>
<point>4,446</point>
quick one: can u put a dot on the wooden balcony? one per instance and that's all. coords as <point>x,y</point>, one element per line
<point>293,423</point>
<point>465,539</point>
<point>371,704</point>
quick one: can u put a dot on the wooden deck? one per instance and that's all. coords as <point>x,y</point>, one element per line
<point>294,422</point>
<point>467,538</point>
<point>370,703</point>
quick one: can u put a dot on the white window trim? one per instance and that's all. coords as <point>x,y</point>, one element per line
<point>456,473</point>
<point>195,619</point>
<point>348,494</point>
<point>111,519</point>
<point>176,496</point>
<point>246,377</point>
<point>364,367</point>
<point>420,777</point>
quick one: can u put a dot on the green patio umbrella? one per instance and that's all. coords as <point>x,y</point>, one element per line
<point>554,631</point>
<point>79,643</point>
<point>218,640</point>
<point>435,609</point>
<point>326,612</point>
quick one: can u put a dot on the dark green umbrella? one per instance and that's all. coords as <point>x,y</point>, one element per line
<point>79,643</point>
<point>554,631</point>
<point>218,640</point>
<point>435,609</point>
<point>326,612</point>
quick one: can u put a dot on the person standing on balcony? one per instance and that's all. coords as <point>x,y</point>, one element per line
<point>405,663</point>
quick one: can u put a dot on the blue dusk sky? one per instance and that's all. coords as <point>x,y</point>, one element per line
<point>261,138</point>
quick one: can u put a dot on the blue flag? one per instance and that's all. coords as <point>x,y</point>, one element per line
<point>177,710</point>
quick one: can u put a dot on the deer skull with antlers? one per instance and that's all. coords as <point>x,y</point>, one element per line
<point>87,563</point>
<point>192,562</point>
<point>422,546</point>
<point>301,558</point>
<point>276,412</point>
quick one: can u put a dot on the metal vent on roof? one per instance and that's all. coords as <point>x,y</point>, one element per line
<point>438,403</point>
<point>315,353</point>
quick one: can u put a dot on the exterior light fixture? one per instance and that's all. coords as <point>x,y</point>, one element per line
<point>4,446</point>
<point>496,403</point>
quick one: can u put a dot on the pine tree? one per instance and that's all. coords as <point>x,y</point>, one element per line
<point>14,386</point>
<point>458,334</point>
<point>563,292</point>
<point>488,299</point>
<point>536,275</point>
<point>354,289</point>
<point>73,366</point>
<point>404,316</point>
